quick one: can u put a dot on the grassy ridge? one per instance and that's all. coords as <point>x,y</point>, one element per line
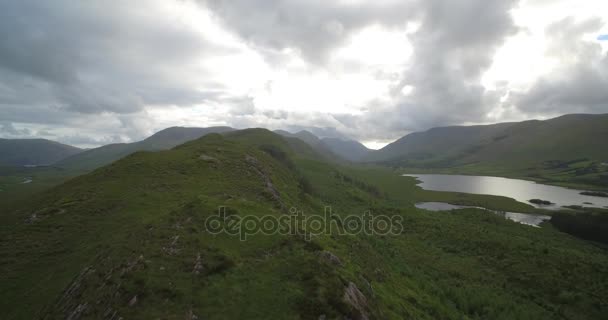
<point>128,240</point>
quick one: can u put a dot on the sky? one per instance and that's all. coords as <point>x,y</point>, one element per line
<point>89,73</point>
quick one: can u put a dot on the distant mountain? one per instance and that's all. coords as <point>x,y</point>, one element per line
<point>438,144</point>
<point>564,138</point>
<point>348,149</point>
<point>313,141</point>
<point>22,152</point>
<point>162,140</point>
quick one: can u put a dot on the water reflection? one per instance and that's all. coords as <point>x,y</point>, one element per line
<point>520,190</point>
<point>524,218</point>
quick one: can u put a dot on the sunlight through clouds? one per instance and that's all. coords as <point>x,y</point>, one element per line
<point>345,64</point>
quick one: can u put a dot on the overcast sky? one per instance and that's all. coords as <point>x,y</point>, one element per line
<point>95,72</point>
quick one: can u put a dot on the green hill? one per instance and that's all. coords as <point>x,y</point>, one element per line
<point>570,149</point>
<point>130,240</point>
<point>34,152</point>
<point>162,140</point>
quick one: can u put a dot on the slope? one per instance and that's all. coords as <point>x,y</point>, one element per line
<point>348,149</point>
<point>567,150</point>
<point>129,240</point>
<point>162,140</point>
<point>22,152</point>
<point>333,148</point>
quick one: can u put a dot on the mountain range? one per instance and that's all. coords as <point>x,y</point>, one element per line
<point>567,137</point>
<point>566,150</point>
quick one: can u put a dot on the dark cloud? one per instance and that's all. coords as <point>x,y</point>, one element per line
<point>94,57</point>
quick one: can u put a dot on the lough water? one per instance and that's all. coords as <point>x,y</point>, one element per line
<point>524,218</point>
<point>520,190</point>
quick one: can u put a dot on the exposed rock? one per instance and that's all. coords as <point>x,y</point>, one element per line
<point>356,299</point>
<point>172,249</point>
<point>133,301</point>
<point>274,193</point>
<point>198,264</point>
<point>330,257</point>
<point>77,312</point>
<point>31,219</point>
<point>191,315</point>
<point>207,158</point>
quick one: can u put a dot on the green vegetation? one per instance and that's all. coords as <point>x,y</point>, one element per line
<point>162,140</point>
<point>128,240</point>
<point>540,202</point>
<point>595,194</point>
<point>583,222</point>
<point>19,183</point>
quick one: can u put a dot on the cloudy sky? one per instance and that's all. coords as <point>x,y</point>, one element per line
<point>95,72</point>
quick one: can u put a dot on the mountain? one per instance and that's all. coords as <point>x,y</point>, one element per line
<point>569,150</point>
<point>565,138</point>
<point>348,149</point>
<point>345,149</point>
<point>215,229</point>
<point>22,152</point>
<point>313,141</point>
<point>162,140</point>
<point>438,144</point>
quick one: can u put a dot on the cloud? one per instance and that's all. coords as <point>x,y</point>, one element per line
<point>313,27</point>
<point>453,46</point>
<point>63,61</point>
<point>93,58</point>
<point>7,129</point>
<point>92,72</point>
<point>578,84</point>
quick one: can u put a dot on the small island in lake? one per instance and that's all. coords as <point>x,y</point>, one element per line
<point>595,194</point>
<point>540,202</point>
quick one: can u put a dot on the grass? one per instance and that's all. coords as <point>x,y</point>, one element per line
<point>128,240</point>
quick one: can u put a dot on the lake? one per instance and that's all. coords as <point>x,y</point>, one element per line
<point>524,218</point>
<point>520,190</point>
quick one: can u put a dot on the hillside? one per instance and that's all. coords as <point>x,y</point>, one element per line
<point>38,152</point>
<point>314,142</point>
<point>438,145</point>
<point>348,149</point>
<point>130,240</point>
<point>567,149</point>
<point>332,148</point>
<point>162,140</point>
